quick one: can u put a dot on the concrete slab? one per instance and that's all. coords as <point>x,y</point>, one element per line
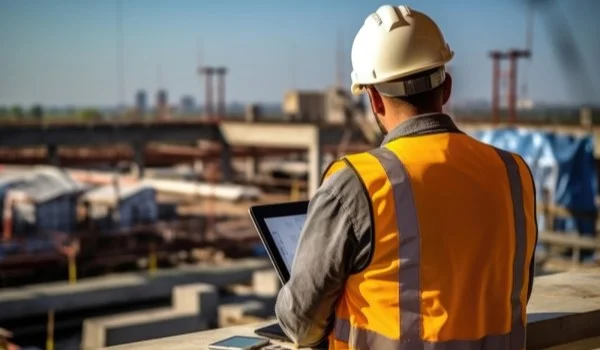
<point>231,313</point>
<point>194,308</point>
<point>266,283</point>
<point>564,308</point>
<point>120,288</point>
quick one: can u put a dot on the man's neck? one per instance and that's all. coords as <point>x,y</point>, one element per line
<point>406,114</point>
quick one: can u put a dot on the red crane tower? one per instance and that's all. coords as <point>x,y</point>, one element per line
<point>513,56</point>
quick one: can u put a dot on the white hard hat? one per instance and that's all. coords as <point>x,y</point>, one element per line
<point>397,42</point>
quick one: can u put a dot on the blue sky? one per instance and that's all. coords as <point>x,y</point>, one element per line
<point>61,52</point>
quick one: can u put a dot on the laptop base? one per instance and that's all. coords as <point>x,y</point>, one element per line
<point>273,331</point>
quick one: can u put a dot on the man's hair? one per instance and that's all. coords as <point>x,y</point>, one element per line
<point>425,100</point>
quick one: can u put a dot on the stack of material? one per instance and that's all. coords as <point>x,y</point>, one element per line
<point>189,188</point>
<point>563,168</point>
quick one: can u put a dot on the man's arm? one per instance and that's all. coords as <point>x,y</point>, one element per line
<point>327,252</point>
<point>534,214</point>
<point>532,261</point>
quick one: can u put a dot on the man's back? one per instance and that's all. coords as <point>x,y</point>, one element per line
<point>466,226</point>
<point>453,235</point>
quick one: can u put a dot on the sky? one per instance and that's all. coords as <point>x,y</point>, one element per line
<point>64,52</point>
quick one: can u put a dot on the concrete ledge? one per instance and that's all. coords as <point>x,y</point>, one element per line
<point>123,329</point>
<point>111,290</point>
<point>564,309</point>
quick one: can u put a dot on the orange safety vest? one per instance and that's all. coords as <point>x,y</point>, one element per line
<point>453,231</point>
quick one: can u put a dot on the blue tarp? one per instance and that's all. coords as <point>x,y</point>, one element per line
<point>563,165</point>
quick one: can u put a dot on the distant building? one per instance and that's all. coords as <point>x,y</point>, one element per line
<point>340,106</point>
<point>188,105</point>
<point>122,207</point>
<point>525,104</point>
<point>333,106</point>
<point>162,103</point>
<point>304,106</point>
<point>47,202</point>
<point>140,102</point>
<point>161,98</point>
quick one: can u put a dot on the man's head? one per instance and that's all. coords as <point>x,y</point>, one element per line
<point>398,58</point>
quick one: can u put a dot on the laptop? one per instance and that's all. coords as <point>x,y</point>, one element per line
<point>279,227</point>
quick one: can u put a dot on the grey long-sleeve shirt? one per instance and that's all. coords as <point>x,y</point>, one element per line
<point>336,241</point>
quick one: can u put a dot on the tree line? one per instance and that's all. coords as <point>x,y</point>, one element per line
<point>37,112</point>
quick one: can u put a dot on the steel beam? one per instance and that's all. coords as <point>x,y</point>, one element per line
<point>103,134</point>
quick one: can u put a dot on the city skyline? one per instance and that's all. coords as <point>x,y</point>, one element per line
<point>66,53</point>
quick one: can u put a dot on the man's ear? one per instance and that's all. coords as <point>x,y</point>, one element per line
<point>447,89</point>
<point>376,101</point>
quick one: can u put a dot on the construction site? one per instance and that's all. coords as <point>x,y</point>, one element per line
<point>129,229</point>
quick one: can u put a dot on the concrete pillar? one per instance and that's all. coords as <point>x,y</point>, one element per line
<point>315,160</point>
<point>199,298</point>
<point>52,154</point>
<point>198,166</point>
<point>251,167</point>
<point>226,167</point>
<point>139,158</point>
<point>251,113</point>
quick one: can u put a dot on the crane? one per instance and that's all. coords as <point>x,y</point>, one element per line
<point>565,47</point>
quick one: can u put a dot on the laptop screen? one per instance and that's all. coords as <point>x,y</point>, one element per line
<point>285,231</point>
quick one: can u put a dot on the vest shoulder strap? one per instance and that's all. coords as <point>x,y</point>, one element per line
<point>366,166</point>
<point>333,168</point>
<point>363,164</point>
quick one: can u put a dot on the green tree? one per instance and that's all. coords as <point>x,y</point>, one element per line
<point>90,115</point>
<point>17,112</point>
<point>37,112</point>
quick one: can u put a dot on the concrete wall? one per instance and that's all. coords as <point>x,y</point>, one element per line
<point>195,307</point>
<point>107,291</point>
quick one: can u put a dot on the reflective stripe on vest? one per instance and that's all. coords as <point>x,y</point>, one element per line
<point>410,303</point>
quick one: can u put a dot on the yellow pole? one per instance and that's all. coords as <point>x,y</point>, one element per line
<point>295,192</point>
<point>50,331</point>
<point>152,260</point>
<point>72,269</point>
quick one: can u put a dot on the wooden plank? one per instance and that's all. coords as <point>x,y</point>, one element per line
<point>562,212</point>
<point>569,239</point>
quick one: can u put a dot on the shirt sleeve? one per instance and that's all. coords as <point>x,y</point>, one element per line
<point>535,243</point>
<point>326,254</point>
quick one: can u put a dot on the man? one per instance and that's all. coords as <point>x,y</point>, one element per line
<point>423,243</point>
